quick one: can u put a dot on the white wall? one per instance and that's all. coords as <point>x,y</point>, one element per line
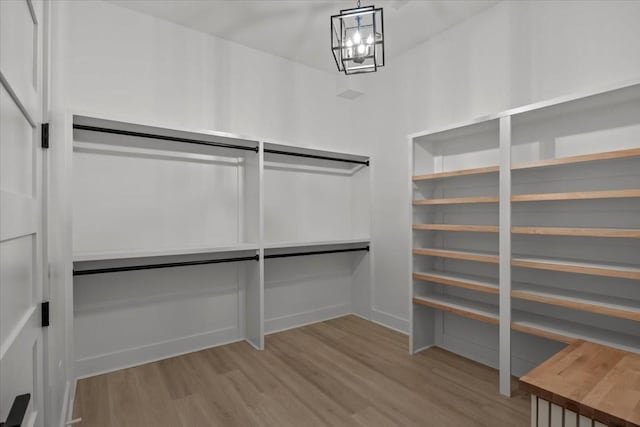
<point>512,54</point>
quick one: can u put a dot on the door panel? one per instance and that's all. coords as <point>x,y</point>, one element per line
<point>19,37</point>
<point>21,288</point>
<point>16,157</point>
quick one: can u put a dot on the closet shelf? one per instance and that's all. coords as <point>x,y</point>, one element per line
<point>475,283</point>
<point>568,332</point>
<point>311,244</point>
<point>461,172</point>
<point>463,307</point>
<point>578,195</point>
<point>454,227</point>
<point>608,155</point>
<point>582,267</point>
<point>632,233</point>
<point>454,254</point>
<point>130,254</point>
<point>457,200</point>
<point>599,304</point>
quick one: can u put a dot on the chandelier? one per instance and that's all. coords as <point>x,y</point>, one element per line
<point>357,39</point>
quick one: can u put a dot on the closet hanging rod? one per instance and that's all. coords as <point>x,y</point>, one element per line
<point>314,156</point>
<point>164,137</point>
<point>165,265</point>
<point>331,251</point>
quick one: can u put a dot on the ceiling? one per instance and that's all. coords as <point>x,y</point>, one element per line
<point>299,29</point>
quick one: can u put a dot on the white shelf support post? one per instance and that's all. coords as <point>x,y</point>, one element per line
<point>505,256</point>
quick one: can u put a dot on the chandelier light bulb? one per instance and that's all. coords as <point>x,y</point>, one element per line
<point>360,48</point>
<point>349,43</point>
<point>356,37</point>
<point>370,39</point>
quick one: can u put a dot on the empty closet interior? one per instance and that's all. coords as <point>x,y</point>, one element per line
<point>186,239</point>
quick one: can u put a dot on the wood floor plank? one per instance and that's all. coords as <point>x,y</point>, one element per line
<point>341,372</point>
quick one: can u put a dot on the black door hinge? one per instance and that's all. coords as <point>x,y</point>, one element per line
<point>18,411</point>
<point>45,135</point>
<point>45,314</point>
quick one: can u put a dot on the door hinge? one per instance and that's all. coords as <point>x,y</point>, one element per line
<point>45,135</point>
<point>45,314</point>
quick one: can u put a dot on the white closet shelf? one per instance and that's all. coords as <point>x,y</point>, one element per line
<point>273,149</point>
<point>313,244</point>
<point>129,254</point>
<point>456,173</point>
<point>577,195</point>
<point>599,304</point>
<point>574,266</point>
<point>607,155</point>
<point>457,227</point>
<point>631,233</point>
<point>457,200</point>
<point>475,283</point>
<point>487,257</point>
<point>568,332</point>
<point>483,312</point>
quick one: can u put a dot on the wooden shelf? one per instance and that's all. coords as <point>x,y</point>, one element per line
<point>586,232</point>
<point>452,227</point>
<point>463,307</point>
<point>599,304</point>
<point>457,200</point>
<point>581,267</point>
<point>464,255</point>
<point>579,195</point>
<point>462,172</point>
<point>568,332</point>
<point>608,155</point>
<point>474,283</point>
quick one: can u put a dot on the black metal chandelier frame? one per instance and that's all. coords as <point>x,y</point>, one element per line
<point>340,49</point>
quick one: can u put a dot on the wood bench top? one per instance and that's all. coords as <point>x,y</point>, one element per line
<point>594,380</point>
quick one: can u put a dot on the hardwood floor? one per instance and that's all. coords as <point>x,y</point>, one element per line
<point>342,372</point>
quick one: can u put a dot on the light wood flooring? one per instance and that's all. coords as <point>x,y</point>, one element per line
<point>342,372</point>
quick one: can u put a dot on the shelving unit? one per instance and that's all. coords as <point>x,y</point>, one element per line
<point>464,255</point>
<point>251,237</point>
<point>455,197</point>
<point>457,200</point>
<point>454,227</point>
<point>582,195</point>
<point>316,235</point>
<point>463,307</point>
<point>626,233</point>
<point>456,173</point>
<point>475,283</point>
<point>568,332</point>
<point>575,300</point>
<point>572,266</point>
<point>566,215</point>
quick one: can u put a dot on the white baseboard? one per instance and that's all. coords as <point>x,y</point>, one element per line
<point>291,321</point>
<point>390,321</point>
<point>127,358</point>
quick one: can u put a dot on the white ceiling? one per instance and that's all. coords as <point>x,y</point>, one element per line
<point>299,30</point>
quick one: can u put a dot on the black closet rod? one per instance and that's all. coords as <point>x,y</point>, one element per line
<point>314,156</point>
<point>165,265</point>
<point>164,137</point>
<point>332,251</point>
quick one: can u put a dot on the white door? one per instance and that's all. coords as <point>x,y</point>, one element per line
<point>21,281</point>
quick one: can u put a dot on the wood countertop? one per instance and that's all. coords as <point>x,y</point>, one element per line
<point>593,380</point>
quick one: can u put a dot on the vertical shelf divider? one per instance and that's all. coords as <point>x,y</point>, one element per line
<point>505,256</point>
